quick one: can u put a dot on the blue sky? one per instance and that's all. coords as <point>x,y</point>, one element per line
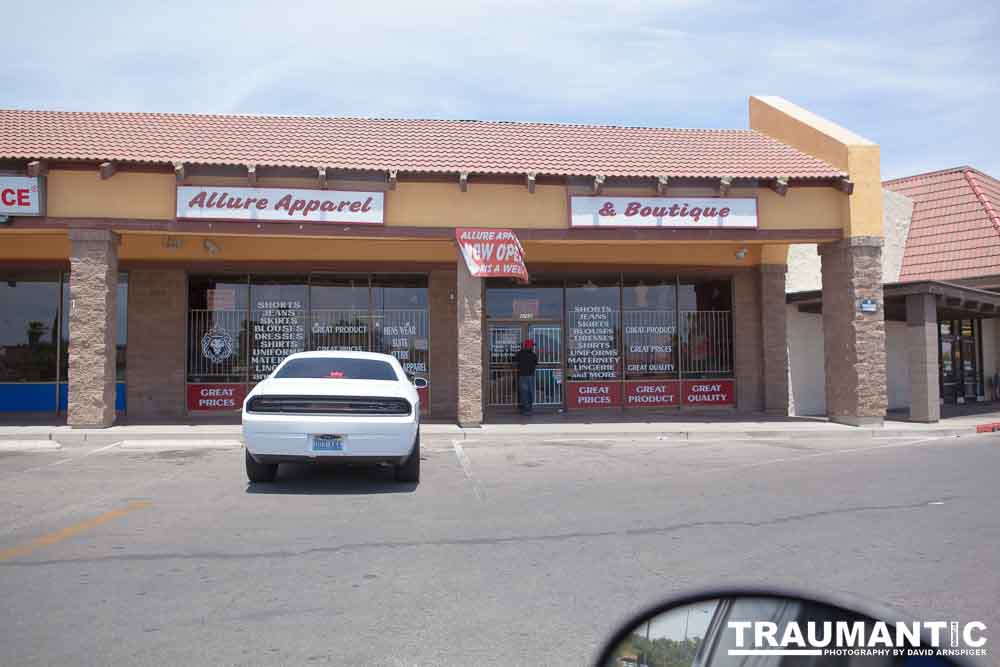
<point>920,78</point>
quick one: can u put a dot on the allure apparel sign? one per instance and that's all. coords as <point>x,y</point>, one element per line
<point>280,205</point>
<point>682,212</point>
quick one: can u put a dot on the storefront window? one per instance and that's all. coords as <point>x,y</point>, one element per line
<point>401,325</point>
<point>29,326</point>
<point>593,349</point>
<point>339,312</point>
<point>218,331</point>
<point>705,328</point>
<point>505,301</point>
<point>650,328</point>
<point>278,313</point>
<point>241,327</point>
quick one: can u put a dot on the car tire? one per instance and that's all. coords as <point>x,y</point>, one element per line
<point>260,472</point>
<point>409,470</point>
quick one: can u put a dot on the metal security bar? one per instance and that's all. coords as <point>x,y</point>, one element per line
<point>217,348</point>
<point>706,343</point>
<point>548,343</point>
<point>502,387</point>
<point>404,333</point>
<point>339,330</point>
<point>548,386</point>
<point>650,342</point>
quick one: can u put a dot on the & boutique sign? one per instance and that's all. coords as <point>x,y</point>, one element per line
<point>679,212</point>
<point>280,205</point>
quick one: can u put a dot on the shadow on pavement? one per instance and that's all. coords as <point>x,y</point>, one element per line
<point>334,480</point>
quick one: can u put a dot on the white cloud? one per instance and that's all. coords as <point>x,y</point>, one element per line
<point>889,70</point>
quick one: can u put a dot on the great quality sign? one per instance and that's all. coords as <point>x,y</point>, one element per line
<point>280,205</point>
<point>20,195</point>
<point>678,212</point>
<point>492,253</point>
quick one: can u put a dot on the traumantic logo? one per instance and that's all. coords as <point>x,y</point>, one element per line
<point>859,638</point>
<point>217,345</point>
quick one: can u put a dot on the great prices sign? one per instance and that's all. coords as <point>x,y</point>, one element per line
<point>581,395</point>
<point>20,195</point>
<point>492,253</point>
<point>671,212</point>
<point>216,397</point>
<point>280,205</point>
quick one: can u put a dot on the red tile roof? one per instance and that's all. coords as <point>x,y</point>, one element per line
<point>406,145</point>
<point>955,229</point>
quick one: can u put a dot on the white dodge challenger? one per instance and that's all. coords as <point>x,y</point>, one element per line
<point>333,407</point>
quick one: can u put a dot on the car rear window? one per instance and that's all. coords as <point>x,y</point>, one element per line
<point>338,369</point>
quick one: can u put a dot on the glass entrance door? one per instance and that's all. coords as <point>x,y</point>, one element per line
<point>502,343</point>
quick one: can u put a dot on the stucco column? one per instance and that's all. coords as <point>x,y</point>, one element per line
<point>748,359</point>
<point>444,350</point>
<point>922,348</point>
<point>470,347</point>
<point>93,288</point>
<point>854,341</point>
<point>775,338</point>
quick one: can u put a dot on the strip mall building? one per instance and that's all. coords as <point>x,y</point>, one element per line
<point>155,266</point>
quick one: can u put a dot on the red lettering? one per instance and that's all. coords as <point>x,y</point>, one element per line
<point>659,211</point>
<point>262,203</point>
<point>234,202</point>
<point>198,201</point>
<point>312,206</point>
<point>696,213</point>
<point>368,205</point>
<point>343,205</point>
<point>645,211</point>
<point>723,212</point>
<point>297,205</point>
<point>23,198</point>
<point>8,197</point>
<point>632,208</point>
<point>328,206</point>
<point>711,212</point>
<point>674,210</point>
<point>356,207</point>
<point>608,209</point>
<point>284,203</point>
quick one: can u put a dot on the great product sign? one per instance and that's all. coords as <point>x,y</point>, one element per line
<point>20,195</point>
<point>280,205</point>
<point>668,212</point>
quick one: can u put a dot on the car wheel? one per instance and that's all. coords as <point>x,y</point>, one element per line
<point>260,472</point>
<point>409,470</point>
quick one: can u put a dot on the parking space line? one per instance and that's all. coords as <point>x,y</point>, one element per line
<point>71,531</point>
<point>73,458</point>
<point>463,460</point>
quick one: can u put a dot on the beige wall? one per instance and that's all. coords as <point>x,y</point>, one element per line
<point>862,211</point>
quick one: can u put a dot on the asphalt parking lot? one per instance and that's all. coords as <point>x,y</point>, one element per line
<point>521,552</point>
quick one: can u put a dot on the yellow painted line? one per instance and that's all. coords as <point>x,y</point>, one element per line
<point>71,531</point>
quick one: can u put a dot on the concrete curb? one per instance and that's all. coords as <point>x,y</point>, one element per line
<point>29,445</point>
<point>181,444</point>
<point>495,432</point>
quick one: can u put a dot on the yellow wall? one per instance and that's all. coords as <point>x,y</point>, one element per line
<point>17,245</point>
<point>861,212</point>
<point>137,195</point>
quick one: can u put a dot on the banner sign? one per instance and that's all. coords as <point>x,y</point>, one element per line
<point>215,397</point>
<point>653,394</point>
<point>492,253</point>
<point>708,392</point>
<point>593,395</point>
<point>280,205</point>
<point>20,195</point>
<point>678,212</point>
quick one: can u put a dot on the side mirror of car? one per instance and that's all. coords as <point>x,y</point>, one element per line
<point>420,383</point>
<point>767,628</point>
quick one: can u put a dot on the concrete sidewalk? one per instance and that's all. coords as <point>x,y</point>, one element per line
<point>728,427</point>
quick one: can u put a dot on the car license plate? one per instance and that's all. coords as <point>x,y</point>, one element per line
<point>328,443</point>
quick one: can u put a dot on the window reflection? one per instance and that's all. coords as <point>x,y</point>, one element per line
<point>29,326</point>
